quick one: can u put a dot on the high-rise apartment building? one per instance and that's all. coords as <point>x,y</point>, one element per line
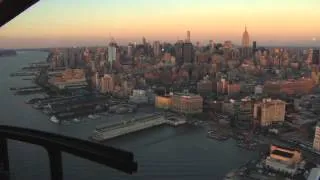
<point>130,49</point>
<point>315,57</point>
<point>66,58</point>
<point>227,44</point>
<point>71,58</point>
<point>316,140</point>
<point>188,37</point>
<point>112,54</point>
<point>156,49</point>
<point>233,88</point>
<point>187,103</point>
<point>254,46</point>
<point>289,87</point>
<point>187,52</point>
<point>211,44</point>
<point>178,49</point>
<point>222,86</point>
<point>106,84</point>
<point>144,41</point>
<point>269,111</point>
<point>204,86</point>
<point>315,75</point>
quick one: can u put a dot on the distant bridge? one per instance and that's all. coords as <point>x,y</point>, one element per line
<point>55,144</point>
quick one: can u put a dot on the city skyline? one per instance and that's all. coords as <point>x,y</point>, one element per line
<point>57,23</point>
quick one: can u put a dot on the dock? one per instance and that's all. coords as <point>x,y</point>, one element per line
<point>29,91</point>
<point>109,131</point>
<point>55,100</point>
<point>23,88</point>
<point>24,74</point>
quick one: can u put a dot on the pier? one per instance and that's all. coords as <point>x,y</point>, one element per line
<point>29,91</point>
<point>109,131</point>
<point>55,100</point>
<point>76,113</point>
<point>24,74</point>
<point>23,88</point>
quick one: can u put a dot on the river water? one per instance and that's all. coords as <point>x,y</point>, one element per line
<point>161,152</point>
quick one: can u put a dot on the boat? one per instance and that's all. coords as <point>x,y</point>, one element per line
<point>249,147</point>
<point>37,106</point>
<point>217,137</point>
<point>76,120</point>
<point>32,101</point>
<point>93,116</point>
<point>66,115</point>
<point>28,91</point>
<point>241,145</point>
<point>46,111</point>
<point>230,175</point>
<point>54,119</point>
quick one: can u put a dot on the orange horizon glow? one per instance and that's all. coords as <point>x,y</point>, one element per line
<point>165,21</point>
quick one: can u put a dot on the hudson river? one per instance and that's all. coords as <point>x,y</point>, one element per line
<point>161,153</point>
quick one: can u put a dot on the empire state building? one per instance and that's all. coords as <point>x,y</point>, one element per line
<point>245,38</point>
<point>246,51</point>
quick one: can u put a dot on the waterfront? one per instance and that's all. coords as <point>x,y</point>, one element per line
<point>162,152</point>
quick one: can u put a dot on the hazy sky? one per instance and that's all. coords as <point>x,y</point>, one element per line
<point>90,22</point>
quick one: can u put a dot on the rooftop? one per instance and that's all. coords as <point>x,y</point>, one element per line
<point>283,147</point>
<point>282,153</point>
<point>271,101</point>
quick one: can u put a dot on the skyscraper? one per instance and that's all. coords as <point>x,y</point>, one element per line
<point>245,38</point>
<point>269,111</point>
<point>107,84</point>
<point>187,52</point>
<point>79,58</point>
<point>211,44</point>
<point>315,56</point>
<point>156,48</point>
<point>254,49</point>
<point>130,47</point>
<point>66,57</point>
<point>188,36</point>
<point>245,49</point>
<point>112,53</point>
<point>72,58</point>
<point>254,46</point>
<point>198,44</point>
<point>178,49</point>
<point>144,41</point>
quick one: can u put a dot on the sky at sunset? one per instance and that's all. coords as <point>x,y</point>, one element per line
<point>51,23</point>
